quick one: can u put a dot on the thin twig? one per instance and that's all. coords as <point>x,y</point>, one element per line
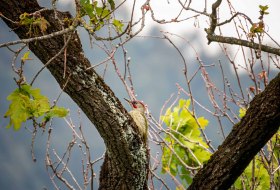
<point>48,36</point>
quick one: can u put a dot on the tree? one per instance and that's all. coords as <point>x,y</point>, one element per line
<point>51,36</point>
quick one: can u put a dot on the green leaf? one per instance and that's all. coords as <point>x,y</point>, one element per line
<point>18,109</point>
<point>112,4</point>
<point>17,112</point>
<point>96,14</point>
<point>102,13</point>
<point>203,122</point>
<point>27,103</point>
<point>260,176</point>
<point>118,24</point>
<point>201,154</point>
<point>187,131</point>
<point>242,112</point>
<point>186,176</point>
<point>263,8</point>
<point>184,103</point>
<point>25,56</point>
<point>25,19</point>
<point>56,112</point>
<point>87,8</point>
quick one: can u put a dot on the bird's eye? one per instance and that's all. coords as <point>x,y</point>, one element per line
<point>134,104</point>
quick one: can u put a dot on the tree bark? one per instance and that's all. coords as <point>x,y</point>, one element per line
<point>126,155</point>
<point>260,123</point>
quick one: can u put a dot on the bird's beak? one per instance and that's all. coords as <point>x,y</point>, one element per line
<point>129,101</point>
<point>126,100</point>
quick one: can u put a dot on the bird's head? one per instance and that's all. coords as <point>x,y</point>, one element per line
<point>137,105</point>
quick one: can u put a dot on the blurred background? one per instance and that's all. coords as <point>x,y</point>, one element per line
<point>156,69</point>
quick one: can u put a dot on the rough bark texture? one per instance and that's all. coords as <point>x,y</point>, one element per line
<point>126,158</point>
<point>261,121</point>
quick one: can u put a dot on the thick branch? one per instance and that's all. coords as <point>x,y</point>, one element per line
<point>260,123</point>
<point>213,16</point>
<point>236,41</point>
<point>231,40</point>
<point>125,151</point>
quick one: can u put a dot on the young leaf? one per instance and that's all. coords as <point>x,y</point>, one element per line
<point>25,19</point>
<point>55,112</point>
<point>242,112</point>
<point>263,8</point>
<point>25,56</point>
<point>118,24</point>
<point>43,24</point>
<point>112,4</point>
<point>192,149</point>
<point>203,122</point>
<point>18,109</point>
<point>254,175</point>
<point>28,102</point>
<point>102,13</point>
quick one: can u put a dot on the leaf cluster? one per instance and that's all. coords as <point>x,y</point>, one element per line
<point>259,27</point>
<point>29,103</point>
<point>185,146</point>
<point>263,172</point>
<point>263,10</point>
<point>254,176</point>
<point>36,24</point>
<point>185,143</point>
<point>100,15</point>
<point>258,174</point>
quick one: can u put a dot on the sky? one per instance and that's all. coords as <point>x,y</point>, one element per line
<point>156,70</point>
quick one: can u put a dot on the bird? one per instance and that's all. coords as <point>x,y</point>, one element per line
<point>138,115</point>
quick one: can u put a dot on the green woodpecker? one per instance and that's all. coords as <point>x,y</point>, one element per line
<point>138,115</point>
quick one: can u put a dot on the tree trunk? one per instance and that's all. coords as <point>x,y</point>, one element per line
<point>260,123</point>
<point>125,150</point>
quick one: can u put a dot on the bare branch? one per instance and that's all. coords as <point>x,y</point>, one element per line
<point>48,36</point>
<point>236,41</point>
<point>213,17</point>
